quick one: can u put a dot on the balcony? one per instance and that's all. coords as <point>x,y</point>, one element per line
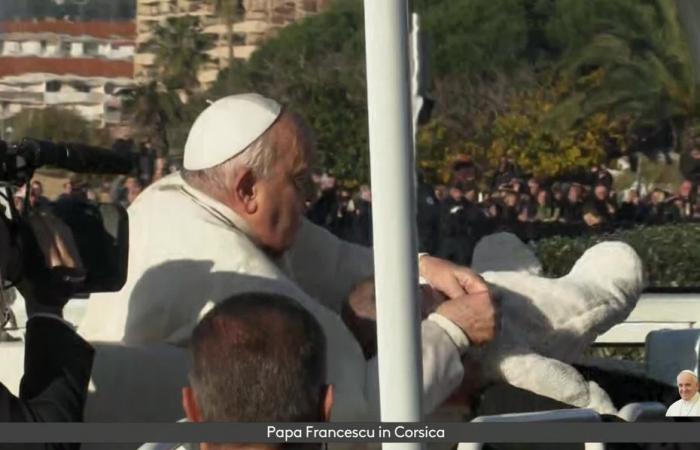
<point>244,51</point>
<point>33,98</point>
<point>251,26</point>
<point>144,59</point>
<point>85,98</point>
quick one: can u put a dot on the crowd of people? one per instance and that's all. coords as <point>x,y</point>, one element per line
<point>453,217</point>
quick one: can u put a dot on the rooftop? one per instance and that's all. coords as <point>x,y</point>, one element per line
<point>98,29</point>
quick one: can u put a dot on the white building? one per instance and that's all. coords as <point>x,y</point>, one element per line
<point>75,65</point>
<point>261,19</point>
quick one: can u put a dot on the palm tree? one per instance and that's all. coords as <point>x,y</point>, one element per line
<point>180,47</point>
<point>231,10</point>
<point>636,66</point>
<point>152,108</point>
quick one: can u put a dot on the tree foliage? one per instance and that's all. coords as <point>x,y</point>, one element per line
<point>477,38</point>
<point>159,109</point>
<point>154,111</point>
<point>666,264</point>
<point>180,47</point>
<point>521,135</point>
<point>317,67</point>
<point>635,63</point>
<point>557,84</point>
<point>230,10</point>
<point>57,124</point>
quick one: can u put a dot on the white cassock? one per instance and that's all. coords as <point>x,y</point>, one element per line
<point>188,251</point>
<point>685,408</point>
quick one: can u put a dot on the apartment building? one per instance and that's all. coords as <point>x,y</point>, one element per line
<point>73,65</point>
<point>261,18</point>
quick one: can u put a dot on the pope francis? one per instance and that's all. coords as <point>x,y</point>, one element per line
<point>231,223</point>
<point>689,403</point>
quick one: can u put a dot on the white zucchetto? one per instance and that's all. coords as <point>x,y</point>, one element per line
<point>227,127</point>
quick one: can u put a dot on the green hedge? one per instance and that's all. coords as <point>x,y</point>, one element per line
<point>671,253</point>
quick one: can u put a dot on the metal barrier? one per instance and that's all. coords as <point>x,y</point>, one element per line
<point>560,415</point>
<point>642,412</point>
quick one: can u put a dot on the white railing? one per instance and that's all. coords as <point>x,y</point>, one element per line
<point>557,416</point>
<point>655,311</point>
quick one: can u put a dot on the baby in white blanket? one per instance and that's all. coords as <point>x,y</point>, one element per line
<point>546,323</point>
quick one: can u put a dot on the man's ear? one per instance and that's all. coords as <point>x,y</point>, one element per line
<point>189,404</point>
<point>327,403</point>
<point>245,190</point>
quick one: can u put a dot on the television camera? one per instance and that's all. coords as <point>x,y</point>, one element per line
<point>100,231</point>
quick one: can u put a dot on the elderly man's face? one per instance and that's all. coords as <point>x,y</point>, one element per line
<point>282,193</point>
<point>687,385</point>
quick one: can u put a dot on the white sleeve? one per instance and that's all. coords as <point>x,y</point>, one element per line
<point>453,330</point>
<point>442,370</point>
<point>325,266</point>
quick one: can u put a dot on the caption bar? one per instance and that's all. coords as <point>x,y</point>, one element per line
<point>376,433</point>
<point>348,432</point>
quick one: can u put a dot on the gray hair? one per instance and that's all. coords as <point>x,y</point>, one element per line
<point>258,357</point>
<point>258,156</point>
<point>689,372</point>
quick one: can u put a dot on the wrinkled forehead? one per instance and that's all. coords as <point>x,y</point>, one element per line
<point>293,134</point>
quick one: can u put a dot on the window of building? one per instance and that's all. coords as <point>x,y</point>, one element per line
<point>53,86</point>
<point>238,39</point>
<point>64,48</point>
<point>79,86</point>
<point>90,49</point>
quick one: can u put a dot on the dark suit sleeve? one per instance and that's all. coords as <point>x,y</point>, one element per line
<point>12,409</point>
<point>57,366</point>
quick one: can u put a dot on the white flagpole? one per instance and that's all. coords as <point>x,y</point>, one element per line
<point>393,212</point>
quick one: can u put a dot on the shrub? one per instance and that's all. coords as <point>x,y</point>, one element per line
<point>669,253</point>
